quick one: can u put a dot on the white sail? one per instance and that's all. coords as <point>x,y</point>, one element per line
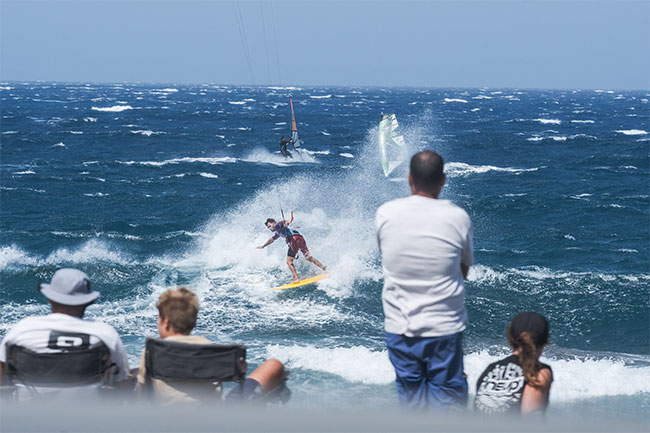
<point>297,142</point>
<point>391,144</point>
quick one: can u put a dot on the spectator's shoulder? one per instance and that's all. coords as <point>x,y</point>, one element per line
<point>456,210</point>
<point>393,204</point>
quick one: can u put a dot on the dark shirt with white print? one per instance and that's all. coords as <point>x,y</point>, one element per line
<point>500,387</point>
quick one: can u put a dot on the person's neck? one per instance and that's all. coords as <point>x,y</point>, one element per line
<point>69,310</point>
<point>425,194</point>
<point>175,334</point>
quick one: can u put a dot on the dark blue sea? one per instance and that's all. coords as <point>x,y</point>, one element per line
<point>148,187</point>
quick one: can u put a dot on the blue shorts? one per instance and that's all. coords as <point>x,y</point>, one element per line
<point>249,390</point>
<point>429,370</point>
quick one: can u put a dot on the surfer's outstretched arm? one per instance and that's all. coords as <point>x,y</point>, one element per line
<point>267,243</point>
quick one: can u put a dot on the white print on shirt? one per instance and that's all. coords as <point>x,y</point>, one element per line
<point>500,389</point>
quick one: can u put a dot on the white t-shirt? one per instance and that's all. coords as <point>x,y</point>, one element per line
<point>422,242</point>
<point>43,334</point>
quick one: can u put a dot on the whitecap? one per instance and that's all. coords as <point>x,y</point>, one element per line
<point>90,119</point>
<point>346,155</point>
<point>320,96</point>
<point>113,109</point>
<point>548,121</point>
<point>583,121</point>
<point>236,102</point>
<point>209,175</point>
<point>213,161</point>
<point>25,172</point>
<point>9,132</point>
<point>462,169</point>
<point>581,196</point>
<point>59,144</point>
<point>147,132</point>
<point>455,100</point>
<point>632,131</point>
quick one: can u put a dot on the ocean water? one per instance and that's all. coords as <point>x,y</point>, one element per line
<point>148,187</point>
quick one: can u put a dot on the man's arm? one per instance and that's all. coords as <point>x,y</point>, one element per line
<point>2,373</point>
<point>464,269</point>
<point>269,242</point>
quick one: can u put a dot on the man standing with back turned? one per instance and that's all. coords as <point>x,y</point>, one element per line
<point>426,250</point>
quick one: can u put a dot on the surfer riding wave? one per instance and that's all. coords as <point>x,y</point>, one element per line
<point>294,240</point>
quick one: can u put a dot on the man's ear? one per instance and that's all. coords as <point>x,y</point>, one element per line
<point>410,178</point>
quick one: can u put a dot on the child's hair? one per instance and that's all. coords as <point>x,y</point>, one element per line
<point>528,332</point>
<point>180,307</point>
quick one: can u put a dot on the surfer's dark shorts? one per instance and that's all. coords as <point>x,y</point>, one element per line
<point>298,244</point>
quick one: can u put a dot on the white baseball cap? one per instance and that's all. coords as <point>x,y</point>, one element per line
<point>69,287</point>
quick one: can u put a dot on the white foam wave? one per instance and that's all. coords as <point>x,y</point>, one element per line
<point>209,175</point>
<point>354,364</point>
<point>9,132</point>
<point>346,155</point>
<point>484,274</point>
<point>462,169</point>
<point>448,100</point>
<point>283,88</point>
<point>482,97</point>
<point>573,375</point>
<point>91,251</point>
<point>25,172</point>
<point>237,102</point>
<point>90,119</point>
<point>264,156</point>
<point>188,160</point>
<point>6,88</point>
<point>632,131</point>
<point>548,121</point>
<point>581,196</point>
<point>113,109</point>
<point>583,121</point>
<point>320,96</point>
<point>76,132</point>
<point>147,132</point>
<point>13,255</point>
<point>96,194</point>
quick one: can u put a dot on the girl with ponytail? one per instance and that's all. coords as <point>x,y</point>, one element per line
<point>519,383</point>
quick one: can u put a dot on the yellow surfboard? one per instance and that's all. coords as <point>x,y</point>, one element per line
<point>300,283</point>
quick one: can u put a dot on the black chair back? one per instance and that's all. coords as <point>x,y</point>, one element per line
<point>176,361</point>
<point>65,368</point>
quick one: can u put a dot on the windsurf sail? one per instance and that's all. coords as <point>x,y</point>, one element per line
<point>297,142</point>
<point>391,144</point>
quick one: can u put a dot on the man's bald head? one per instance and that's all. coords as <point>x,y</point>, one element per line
<point>427,174</point>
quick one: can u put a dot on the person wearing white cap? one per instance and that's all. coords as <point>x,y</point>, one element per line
<point>65,328</point>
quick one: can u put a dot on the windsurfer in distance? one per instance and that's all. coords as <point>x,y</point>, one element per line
<point>283,147</point>
<point>294,240</point>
